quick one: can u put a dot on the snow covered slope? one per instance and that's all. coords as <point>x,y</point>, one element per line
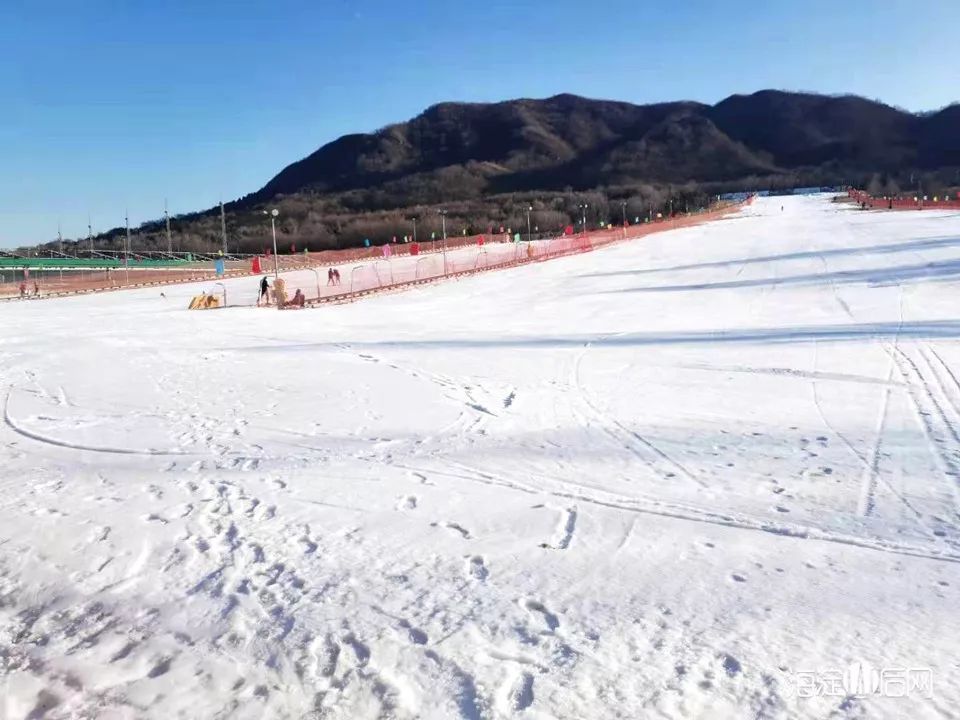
<point>699,475</point>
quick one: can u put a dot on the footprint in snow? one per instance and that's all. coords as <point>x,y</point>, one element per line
<point>476,568</point>
<point>537,609</point>
<point>520,693</point>
<point>415,635</point>
<point>464,533</point>
<point>407,502</point>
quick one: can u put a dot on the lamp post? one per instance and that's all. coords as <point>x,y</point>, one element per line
<point>60,243</point>
<point>414,218</point>
<point>223,227</point>
<point>583,210</point>
<point>529,232</point>
<point>166,219</point>
<point>126,251</point>
<point>623,206</point>
<point>443,223</point>
<point>273,228</point>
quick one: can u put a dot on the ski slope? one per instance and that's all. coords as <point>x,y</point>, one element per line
<point>673,478</point>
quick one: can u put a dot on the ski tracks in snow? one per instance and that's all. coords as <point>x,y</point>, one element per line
<point>934,401</point>
<point>658,462</point>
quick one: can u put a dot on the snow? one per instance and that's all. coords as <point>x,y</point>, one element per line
<point>673,478</point>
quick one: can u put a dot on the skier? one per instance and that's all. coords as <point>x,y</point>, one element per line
<point>336,276</point>
<point>264,291</point>
<point>330,276</point>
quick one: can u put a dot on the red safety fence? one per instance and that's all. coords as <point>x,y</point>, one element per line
<point>911,203</point>
<point>462,257</point>
<point>362,270</point>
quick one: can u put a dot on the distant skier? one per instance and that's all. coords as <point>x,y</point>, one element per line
<point>330,276</point>
<point>264,292</point>
<point>336,276</point>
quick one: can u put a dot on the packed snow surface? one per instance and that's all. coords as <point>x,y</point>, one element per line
<point>710,473</point>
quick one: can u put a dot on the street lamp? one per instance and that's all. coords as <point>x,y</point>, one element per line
<point>623,205</point>
<point>529,232</point>
<point>443,222</point>
<point>273,227</point>
<point>414,218</point>
<point>583,209</point>
<point>166,219</point>
<point>126,250</point>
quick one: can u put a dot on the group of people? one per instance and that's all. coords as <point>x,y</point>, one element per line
<point>333,276</point>
<point>298,299</point>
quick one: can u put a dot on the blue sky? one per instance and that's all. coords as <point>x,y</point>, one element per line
<point>117,105</point>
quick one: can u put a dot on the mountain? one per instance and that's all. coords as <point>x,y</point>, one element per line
<point>494,140</point>
<point>570,141</point>
<point>487,163</point>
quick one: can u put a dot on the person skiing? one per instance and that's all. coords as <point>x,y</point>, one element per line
<point>330,276</point>
<point>264,291</point>
<point>336,276</point>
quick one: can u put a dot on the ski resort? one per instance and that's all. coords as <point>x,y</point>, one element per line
<point>709,469</point>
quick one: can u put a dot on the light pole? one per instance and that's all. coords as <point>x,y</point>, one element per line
<point>60,243</point>
<point>223,227</point>
<point>623,205</point>
<point>443,223</point>
<point>273,228</point>
<point>583,210</point>
<point>414,218</point>
<point>126,252</point>
<point>166,219</point>
<point>529,231</point>
<point>90,235</point>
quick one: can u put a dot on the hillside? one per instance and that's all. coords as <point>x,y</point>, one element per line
<point>486,163</point>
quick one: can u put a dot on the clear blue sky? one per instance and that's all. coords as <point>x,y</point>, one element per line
<point>114,105</point>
